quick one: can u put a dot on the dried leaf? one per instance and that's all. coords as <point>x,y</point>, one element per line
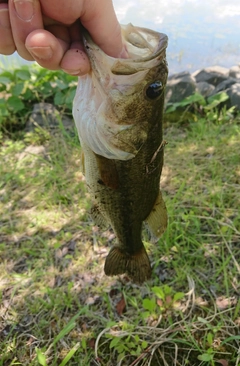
<point>169,299</point>
<point>91,343</point>
<point>159,302</point>
<point>121,306</point>
<point>222,362</point>
<point>223,303</point>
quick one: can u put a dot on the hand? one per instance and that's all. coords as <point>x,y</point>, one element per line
<point>49,31</point>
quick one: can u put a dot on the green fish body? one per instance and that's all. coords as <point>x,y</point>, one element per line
<point>118,111</point>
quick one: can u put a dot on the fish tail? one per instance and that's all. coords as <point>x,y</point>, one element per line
<point>137,266</point>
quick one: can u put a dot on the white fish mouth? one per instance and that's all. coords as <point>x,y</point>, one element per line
<point>145,49</point>
<point>98,128</point>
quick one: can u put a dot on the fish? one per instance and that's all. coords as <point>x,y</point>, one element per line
<point>118,112</point>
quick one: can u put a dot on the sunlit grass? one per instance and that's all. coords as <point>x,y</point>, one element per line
<point>56,305</point>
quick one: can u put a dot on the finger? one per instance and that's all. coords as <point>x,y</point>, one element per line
<point>100,20</point>
<point>59,47</point>
<point>75,60</point>
<point>96,15</point>
<point>46,49</point>
<point>7,46</point>
<point>25,17</point>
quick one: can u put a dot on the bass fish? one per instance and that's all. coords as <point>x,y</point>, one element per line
<point>118,111</point>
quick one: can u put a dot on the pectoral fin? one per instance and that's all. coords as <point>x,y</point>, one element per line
<point>158,219</point>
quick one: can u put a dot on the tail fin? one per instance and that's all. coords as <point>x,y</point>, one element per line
<point>137,266</point>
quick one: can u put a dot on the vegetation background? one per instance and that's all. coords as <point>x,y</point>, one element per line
<point>56,305</point>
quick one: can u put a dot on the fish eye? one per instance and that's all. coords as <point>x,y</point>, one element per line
<point>154,90</point>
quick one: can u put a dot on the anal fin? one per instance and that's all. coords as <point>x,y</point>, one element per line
<point>157,220</point>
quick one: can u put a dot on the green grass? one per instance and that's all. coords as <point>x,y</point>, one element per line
<point>56,305</point>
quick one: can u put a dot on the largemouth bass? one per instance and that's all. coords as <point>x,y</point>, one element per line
<point>118,111</point>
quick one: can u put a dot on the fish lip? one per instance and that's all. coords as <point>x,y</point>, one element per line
<point>162,45</point>
<point>159,53</point>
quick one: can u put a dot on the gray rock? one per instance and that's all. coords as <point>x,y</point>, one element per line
<point>234,95</point>
<point>179,75</point>
<point>224,85</point>
<point>234,72</point>
<point>45,115</point>
<point>212,75</point>
<point>180,86</point>
<point>205,89</point>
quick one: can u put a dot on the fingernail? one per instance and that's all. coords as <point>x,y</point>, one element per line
<point>72,72</point>
<point>4,18</point>
<point>41,53</point>
<point>24,9</point>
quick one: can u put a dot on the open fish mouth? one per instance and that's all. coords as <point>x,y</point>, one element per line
<point>145,48</point>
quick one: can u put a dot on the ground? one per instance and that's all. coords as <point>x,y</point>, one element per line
<point>58,307</point>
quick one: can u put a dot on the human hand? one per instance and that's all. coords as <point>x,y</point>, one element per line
<point>49,31</point>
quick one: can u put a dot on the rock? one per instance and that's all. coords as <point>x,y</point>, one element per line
<point>45,115</point>
<point>234,95</point>
<point>224,85</point>
<point>212,75</point>
<point>234,72</point>
<point>205,88</point>
<point>180,86</point>
<point>179,75</point>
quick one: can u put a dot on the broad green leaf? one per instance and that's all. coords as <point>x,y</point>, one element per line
<point>4,112</point>
<point>23,74</point>
<point>215,100</point>
<point>5,80</point>
<point>46,88</point>
<point>114,342</point>
<point>178,296</point>
<point>149,304</point>
<point>158,291</point>
<point>144,344</point>
<point>205,357</point>
<point>167,290</point>
<point>136,338</point>
<point>70,96</point>
<point>59,98</point>
<point>195,98</point>
<point>15,104</point>
<point>17,89</point>
<point>61,84</point>
<point>28,95</point>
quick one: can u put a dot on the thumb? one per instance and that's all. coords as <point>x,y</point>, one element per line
<point>100,19</point>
